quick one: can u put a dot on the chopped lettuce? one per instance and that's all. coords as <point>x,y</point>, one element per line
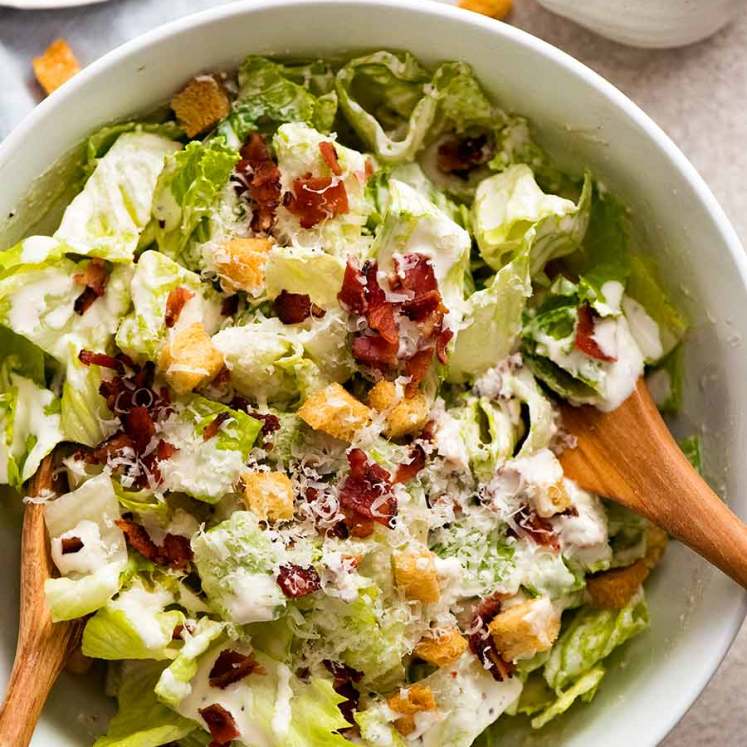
<point>272,93</point>
<point>143,330</point>
<point>108,216</point>
<point>584,687</point>
<point>90,577</point>
<point>188,190</point>
<point>692,448</point>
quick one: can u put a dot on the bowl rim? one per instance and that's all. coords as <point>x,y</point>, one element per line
<point>46,109</point>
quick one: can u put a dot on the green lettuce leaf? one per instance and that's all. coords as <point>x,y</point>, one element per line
<point>584,687</point>
<point>692,448</point>
<point>108,216</point>
<point>188,191</point>
<point>141,720</point>
<point>90,577</point>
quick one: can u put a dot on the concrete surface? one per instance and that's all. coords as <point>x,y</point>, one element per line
<point>697,94</point>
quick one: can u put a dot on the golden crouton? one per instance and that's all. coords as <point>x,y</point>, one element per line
<point>334,411</point>
<point>494,8</point>
<point>404,416</point>
<point>614,589</point>
<point>656,544</point>
<point>241,264</point>
<point>269,495</point>
<point>525,629</point>
<point>554,500</point>
<point>408,702</point>
<point>188,359</point>
<point>201,104</point>
<point>442,650</point>
<point>415,574</point>
<point>55,66</point>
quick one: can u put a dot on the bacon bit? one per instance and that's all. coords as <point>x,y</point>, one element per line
<point>93,279</point>
<point>352,295</point>
<point>221,725</point>
<point>178,633</point>
<point>89,358</point>
<point>316,198</point>
<point>481,643</point>
<point>329,154</point>
<point>292,308</point>
<point>139,425</point>
<point>232,666</point>
<point>258,174</point>
<point>343,684</point>
<point>442,342</point>
<point>175,552</point>
<point>417,368</point>
<point>270,422</point>
<point>297,581</point>
<point>406,472</point>
<point>175,302</point>
<point>382,319</point>
<point>212,428</point>
<point>459,156</point>
<point>369,168</point>
<point>71,545</point>
<point>374,351</point>
<point>585,341</point>
<point>366,495</point>
<point>414,272</point>
<point>230,305</point>
<point>534,527</point>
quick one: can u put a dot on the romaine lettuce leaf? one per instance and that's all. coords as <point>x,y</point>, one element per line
<point>143,330</point>
<point>188,190</point>
<point>108,216</point>
<point>91,576</point>
<point>584,687</point>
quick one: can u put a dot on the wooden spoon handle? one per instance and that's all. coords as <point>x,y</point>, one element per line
<point>43,646</point>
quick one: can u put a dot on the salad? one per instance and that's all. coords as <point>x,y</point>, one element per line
<point>295,348</point>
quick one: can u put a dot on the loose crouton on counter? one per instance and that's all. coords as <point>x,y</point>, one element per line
<point>336,412</point>
<point>55,66</point>
<point>442,650</point>
<point>189,359</point>
<point>269,495</point>
<point>524,629</point>
<point>404,416</point>
<point>201,104</point>
<point>415,574</point>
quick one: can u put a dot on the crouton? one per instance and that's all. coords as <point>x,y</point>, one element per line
<point>552,501</point>
<point>201,104</point>
<point>494,8</point>
<point>334,411</point>
<point>188,359</point>
<point>269,495</point>
<point>241,264</point>
<point>614,589</point>
<point>55,66</point>
<point>442,650</point>
<point>524,629</point>
<point>656,544</point>
<point>416,575</point>
<point>404,416</point>
<point>408,702</point>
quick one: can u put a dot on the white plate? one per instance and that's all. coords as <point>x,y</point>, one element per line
<point>46,4</point>
<point>695,610</point>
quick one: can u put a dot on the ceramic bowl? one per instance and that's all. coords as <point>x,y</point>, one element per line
<point>584,121</point>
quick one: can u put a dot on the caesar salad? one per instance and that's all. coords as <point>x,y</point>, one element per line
<point>296,346</point>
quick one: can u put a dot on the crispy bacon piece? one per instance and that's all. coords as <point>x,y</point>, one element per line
<point>71,545</point>
<point>221,724</point>
<point>460,155</point>
<point>539,530</point>
<point>352,295</point>
<point>329,154</point>
<point>232,666</point>
<point>416,368</point>
<point>585,341</point>
<point>366,494</point>
<point>414,272</point>
<point>442,342</point>
<point>259,175</point>
<point>175,552</point>
<point>316,198</point>
<point>212,428</point>
<point>344,681</point>
<point>406,472</point>
<point>375,351</point>
<point>481,643</point>
<point>292,308</point>
<point>298,581</point>
<point>89,358</point>
<point>139,426</point>
<point>93,279</point>
<point>175,302</point>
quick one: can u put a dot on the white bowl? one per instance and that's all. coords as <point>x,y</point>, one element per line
<point>584,120</point>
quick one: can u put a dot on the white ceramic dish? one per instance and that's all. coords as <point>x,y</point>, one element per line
<point>46,4</point>
<point>583,120</point>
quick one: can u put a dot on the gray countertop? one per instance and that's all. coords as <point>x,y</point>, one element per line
<point>697,94</point>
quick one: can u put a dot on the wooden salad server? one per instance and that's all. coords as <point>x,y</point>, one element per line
<point>629,456</point>
<point>43,646</point>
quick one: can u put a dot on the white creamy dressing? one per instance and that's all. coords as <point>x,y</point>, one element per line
<point>91,556</point>
<point>644,329</point>
<point>254,597</point>
<point>47,299</point>
<point>281,716</point>
<point>36,249</point>
<point>448,437</point>
<point>141,607</point>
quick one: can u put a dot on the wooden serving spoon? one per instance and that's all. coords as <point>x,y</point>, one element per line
<point>43,646</point>
<point>630,457</point>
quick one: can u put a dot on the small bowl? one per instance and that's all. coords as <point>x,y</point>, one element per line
<point>584,121</point>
